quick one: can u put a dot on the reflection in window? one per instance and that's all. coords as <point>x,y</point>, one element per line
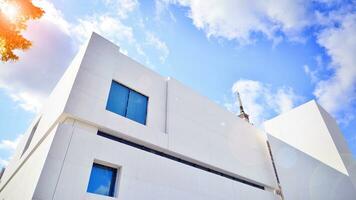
<point>102,180</point>
<point>127,103</point>
<point>137,107</point>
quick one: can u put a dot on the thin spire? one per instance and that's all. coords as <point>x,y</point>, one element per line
<point>242,114</point>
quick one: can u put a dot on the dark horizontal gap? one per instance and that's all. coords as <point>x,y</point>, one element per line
<point>147,149</point>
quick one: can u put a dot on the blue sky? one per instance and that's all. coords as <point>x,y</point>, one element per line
<point>279,55</point>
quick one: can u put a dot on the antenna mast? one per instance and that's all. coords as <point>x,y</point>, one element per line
<point>242,114</point>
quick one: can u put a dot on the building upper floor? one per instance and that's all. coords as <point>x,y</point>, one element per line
<point>106,89</point>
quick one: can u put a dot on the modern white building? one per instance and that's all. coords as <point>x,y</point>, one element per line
<point>113,129</point>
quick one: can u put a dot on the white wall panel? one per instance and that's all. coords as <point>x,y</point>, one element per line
<point>143,175</point>
<point>304,128</point>
<point>202,130</point>
<point>303,177</point>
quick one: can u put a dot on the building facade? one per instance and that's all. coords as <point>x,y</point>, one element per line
<point>113,129</point>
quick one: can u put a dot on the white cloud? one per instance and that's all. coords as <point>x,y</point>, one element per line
<point>105,25</point>
<point>10,145</point>
<point>126,6</point>
<point>28,102</point>
<point>338,92</point>
<point>240,20</point>
<point>53,15</point>
<point>162,10</point>
<point>158,44</point>
<point>112,26</point>
<point>29,80</point>
<point>313,74</point>
<point>3,162</point>
<point>284,100</point>
<point>261,100</point>
<point>123,7</point>
<point>319,61</point>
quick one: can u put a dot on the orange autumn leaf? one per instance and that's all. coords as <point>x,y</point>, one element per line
<point>14,15</point>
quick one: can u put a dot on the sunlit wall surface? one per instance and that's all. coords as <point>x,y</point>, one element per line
<point>162,140</point>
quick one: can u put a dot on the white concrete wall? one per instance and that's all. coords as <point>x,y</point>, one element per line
<point>304,128</point>
<point>16,159</point>
<point>20,185</point>
<point>143,175</point>
<point>179,122</point>
<point>200,129</point>
<point>215,138</point>
<point>303,177</point>
<point>52,169</point>
<point>189,127</point>
<point>20,166</point>
<point>103,63</point>
<point>340,143</point>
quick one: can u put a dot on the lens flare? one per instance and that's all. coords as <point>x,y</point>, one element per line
<point>10,10</point>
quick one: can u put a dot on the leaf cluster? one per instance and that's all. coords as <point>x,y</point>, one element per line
<point>11,37</point>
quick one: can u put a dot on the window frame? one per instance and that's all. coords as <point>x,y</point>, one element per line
<point>127,102</point>
<point>117,177</point>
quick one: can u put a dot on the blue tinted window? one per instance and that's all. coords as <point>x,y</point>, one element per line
<point>118,99</point>
<point>127,103</point>
<point>102,180</point>
<point>137,107</point>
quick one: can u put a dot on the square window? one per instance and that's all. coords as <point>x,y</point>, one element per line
<point>102,180</point>
<point>127,103</point>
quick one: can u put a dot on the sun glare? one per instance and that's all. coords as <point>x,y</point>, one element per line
<point>10,10</point>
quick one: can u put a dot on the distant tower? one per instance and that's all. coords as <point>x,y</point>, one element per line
<point>242,114</point>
